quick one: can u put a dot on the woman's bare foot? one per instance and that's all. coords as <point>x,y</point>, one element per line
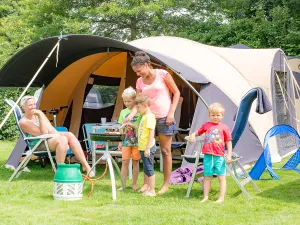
<point>163,190</point>
<point>143,188</point>
<point>204,199</point>
<point>219,201</point>
<point>134,187</point>
<point>88,170</point>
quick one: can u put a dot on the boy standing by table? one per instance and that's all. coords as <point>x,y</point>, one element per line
<point>217,135</point>
<point>146,143</point>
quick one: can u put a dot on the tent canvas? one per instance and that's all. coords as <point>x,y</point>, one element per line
<point>233,72</point>
<point>218,74</point>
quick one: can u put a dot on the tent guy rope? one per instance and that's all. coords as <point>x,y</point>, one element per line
<point>31,81</point>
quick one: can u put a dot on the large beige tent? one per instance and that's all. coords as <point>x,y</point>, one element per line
<point>233,71</point>
<point>219,74</point>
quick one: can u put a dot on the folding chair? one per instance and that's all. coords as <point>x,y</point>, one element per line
<point>32,150</point>
<point>100,145</point>
<point>195,158</point>
<point>86,130</point>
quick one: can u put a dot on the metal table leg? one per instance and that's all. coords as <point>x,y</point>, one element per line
<point>94,156</point>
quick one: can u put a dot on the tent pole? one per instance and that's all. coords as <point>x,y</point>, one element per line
<point>191,86</point>
<point>29,84</point>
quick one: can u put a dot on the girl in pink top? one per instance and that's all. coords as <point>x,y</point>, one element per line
<point>157,84</point>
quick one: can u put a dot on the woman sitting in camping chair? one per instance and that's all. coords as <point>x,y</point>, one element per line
<point>35,123</point>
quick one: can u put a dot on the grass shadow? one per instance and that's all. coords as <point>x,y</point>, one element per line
<point>288,192</point>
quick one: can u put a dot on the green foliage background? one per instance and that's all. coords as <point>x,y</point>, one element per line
<point>255,23</point>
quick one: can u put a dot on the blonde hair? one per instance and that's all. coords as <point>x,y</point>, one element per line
<point>216,108</point>
<point>129,93</point>
<point>142,99</point>
<point>25,99</point>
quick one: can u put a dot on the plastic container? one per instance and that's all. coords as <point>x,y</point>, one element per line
<point>67,183</point>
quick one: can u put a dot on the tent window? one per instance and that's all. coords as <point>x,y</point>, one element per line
<point>282,111</point>
<point>101,96</point>
<point>285,143</point>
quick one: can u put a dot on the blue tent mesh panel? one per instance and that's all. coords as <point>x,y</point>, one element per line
<point>292,141</point>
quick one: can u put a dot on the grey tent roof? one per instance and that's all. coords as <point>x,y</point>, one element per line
<point>20,69</point>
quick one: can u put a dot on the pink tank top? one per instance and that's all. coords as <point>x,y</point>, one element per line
<point>158,92</point>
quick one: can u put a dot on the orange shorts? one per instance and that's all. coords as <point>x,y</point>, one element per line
<point>130,152</point>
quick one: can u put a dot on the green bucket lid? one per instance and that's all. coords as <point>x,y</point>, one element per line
<point>68,173</point>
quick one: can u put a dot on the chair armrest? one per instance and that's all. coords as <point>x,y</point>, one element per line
<point>44,136</point>
<point>183,130</point>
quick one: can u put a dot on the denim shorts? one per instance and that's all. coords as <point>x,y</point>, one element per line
<point>148,163</point>
<point>214,165</point>
<point>162,128</point>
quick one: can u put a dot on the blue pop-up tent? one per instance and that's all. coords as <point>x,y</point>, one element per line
<point>264,161</point>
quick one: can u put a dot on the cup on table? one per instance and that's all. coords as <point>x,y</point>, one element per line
<point>103,120</point>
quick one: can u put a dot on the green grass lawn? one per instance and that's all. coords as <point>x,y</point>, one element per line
<point>28,200</point>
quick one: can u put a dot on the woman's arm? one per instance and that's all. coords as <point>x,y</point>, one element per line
<point>131,115</point>
<point>45,125</point>
<point>176,95</point>
<point>30,128</point>
<point>133,111</point>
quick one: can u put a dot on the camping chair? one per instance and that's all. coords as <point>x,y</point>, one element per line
<point>35,149</point>
<point>197,159</point>
<point>263,106</point>
<point>100,145</point>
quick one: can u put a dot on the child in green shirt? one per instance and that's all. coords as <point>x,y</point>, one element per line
<point>129,146</point>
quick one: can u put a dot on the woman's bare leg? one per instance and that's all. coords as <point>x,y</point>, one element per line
<point>60,145</point>
<point>165,147</point>
<point>77,150</point>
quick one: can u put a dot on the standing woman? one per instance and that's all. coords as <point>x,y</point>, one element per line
<point>157,84</point>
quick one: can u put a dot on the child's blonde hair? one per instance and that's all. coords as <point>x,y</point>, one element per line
<point>216,108</point>
<point>142,99</point>
<point>129,93</point>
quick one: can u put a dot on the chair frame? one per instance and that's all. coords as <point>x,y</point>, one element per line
<point>42,138</point>
<point>232,172</point>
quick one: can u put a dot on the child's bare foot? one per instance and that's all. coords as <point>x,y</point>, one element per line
<point>204,199</point>
<point>144,188</point>
<point>163,190</point>
<point>149,193</point>
<point>134,187</point>
<point>219,201</point>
